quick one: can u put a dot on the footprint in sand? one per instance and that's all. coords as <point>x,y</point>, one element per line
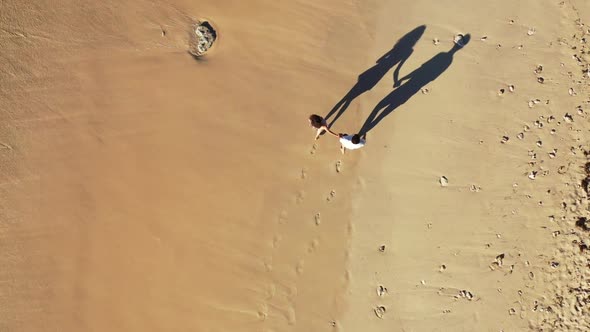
<point>276,240</point>
<point>291,317</point>
<point>317,219</point>
<point>263,312</point>
<point>465,294</point>
<point>381,290</point>
<point>380,311</point>
<point>282,217</point>
<point>338,166</point>
<point>303,174</point>
<point>300,197</point>
<point>299,267</point>
<point>313,149</point>
<point>531,31</point>
<point>313,245</point>
<point>331,195</point>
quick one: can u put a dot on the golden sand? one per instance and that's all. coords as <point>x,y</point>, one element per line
<point>145,190</point>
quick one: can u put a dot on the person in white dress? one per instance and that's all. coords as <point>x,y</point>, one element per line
<point>351,142</point>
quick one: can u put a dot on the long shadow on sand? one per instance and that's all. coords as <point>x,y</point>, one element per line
<point>400,52</point>
<point>415,81</point>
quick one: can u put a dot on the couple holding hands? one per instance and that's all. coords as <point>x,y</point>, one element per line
<point>350,142</point>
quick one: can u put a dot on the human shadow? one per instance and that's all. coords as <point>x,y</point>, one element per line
<point>400,52</point>
<point>415,81</point>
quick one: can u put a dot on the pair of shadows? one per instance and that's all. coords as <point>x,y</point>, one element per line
<point>414,81</point>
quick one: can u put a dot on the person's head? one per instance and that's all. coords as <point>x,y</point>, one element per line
<point>356,139</point>
<point>316,121</point>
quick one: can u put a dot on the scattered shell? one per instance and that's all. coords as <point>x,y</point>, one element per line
<point>475,188</point>
<point>381,290</point>
<point>442,268</point>
<point>540,80</point>
<point>425,90</point>
<point>539,69</point>
<point>511,22</point>
<point>511,88</point>
<point>380,311</point>
<point>572,92</point>
<point>443,181</point>
<point>484,38</point>
<point>553,131</point>
<point>568,118</point>
<point>505,139</point>
<point>520,136</point>
<point>501,92</point>
<point>539,143</point>
<point>553,153</point>
<point>382,248</point>
<point>526,128</point>
<point>532,175</point>
<point>436,41</point>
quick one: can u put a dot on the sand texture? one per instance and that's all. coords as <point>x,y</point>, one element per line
<point>143,188</point>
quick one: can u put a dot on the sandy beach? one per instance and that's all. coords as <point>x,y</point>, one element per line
<point>145,189</point>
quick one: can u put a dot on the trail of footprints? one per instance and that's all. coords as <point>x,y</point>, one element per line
<point>289,313</point>
<point>569,306</point>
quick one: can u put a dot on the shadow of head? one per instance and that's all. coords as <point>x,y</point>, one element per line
<point>461,41</point>
<point>404,46</point>
<point>410,39</point>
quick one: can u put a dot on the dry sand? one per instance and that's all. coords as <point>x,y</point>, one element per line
<point>145,190</point>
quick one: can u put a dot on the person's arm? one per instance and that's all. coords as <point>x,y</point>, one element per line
<point>396,72</point>
<point>405,78</point>
<point>331,132</point>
